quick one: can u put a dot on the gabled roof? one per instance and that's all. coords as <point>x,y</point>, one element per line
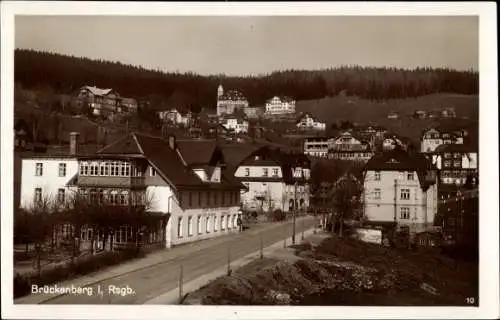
<point>197,151</point>
<point>233,95</point>
<point>97,91</point>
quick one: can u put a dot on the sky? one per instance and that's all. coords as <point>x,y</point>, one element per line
<point>252,45</point>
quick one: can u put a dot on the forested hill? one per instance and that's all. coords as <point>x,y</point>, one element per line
<point>64,74</point>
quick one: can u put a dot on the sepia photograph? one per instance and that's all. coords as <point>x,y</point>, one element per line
<point>257,158</point>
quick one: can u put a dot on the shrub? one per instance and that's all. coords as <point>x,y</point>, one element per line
<point>86,265</point>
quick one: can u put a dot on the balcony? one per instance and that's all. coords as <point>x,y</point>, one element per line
<point>119,182</point>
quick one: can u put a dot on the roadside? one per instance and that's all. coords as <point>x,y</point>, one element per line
<point>326,270</point>
<point>137,272</point>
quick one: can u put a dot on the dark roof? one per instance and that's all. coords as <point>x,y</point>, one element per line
<point>456,148</point>
<point>167,161</point>
<point>197,151</point>
<point>399,160</point>
<point>56,151</point>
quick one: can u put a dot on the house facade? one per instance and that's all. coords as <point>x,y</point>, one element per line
<point>188,200</point>
<point>274,181</point>
<point>230,101</point>
<point>103,102</point>
<point>307,122</point>
<point>280,106</point>
<point>316,146</point>
<point>456,163</point>
<point>348,147</point>
<point>434,137</point>
<point>402,189</point>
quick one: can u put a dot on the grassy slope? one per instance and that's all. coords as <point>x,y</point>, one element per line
<point>364,111</point>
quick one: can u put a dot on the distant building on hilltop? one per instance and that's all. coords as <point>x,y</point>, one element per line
<point>346,146</point>
<point>235,124</point>
<point>280,106</point>
<point>104,102</point>
<point>228,102</point>
<point>393,115</point>
<point>439,135</point>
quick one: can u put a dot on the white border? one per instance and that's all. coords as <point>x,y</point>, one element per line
<point>489,283</point>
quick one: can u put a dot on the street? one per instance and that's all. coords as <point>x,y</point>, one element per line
<point>197,259</point>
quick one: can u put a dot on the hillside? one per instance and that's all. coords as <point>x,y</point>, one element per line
<point>332,110</point>
<point>65,74</point>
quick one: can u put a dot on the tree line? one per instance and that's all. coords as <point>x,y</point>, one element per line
<point>66,74</point>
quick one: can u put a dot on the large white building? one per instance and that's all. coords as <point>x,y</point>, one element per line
<point>280,106</point>
<point>402,189</point>
<point>274,180</point>
<point>184,183</point>
<point>230,101</point>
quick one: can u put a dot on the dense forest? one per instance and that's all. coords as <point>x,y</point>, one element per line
<point>65,74</point>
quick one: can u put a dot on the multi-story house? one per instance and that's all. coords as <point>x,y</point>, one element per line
<point>280,106</point>
<point>253,112</point>
<point>316,146</point>
<point>456,163</point>
<point>103,102</point>
<point>176,117</point>
<point>191,200</point>
<point>392,141</point>
<point>307,122</point>
<point>230,101</point>
<point>274,180</point>
<point>401,189</point>
<point>436,136</point>
<point>235,124</point>
<point>348,147</point>
<point>370,133</point>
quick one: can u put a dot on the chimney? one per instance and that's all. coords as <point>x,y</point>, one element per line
<point>73,143</point>
<point>171,142</point>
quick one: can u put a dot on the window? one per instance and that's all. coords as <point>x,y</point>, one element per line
<point>215,223</point>
<point>199,224</point>
<point>179,227</point>
<point>447,163</point>
<point>377,175</point>
<point>377,193</point>
<point>229,222</point>
<point>223,222</point>
<point>457,164</point>
<point>405,213</point>
<point>207,224</point>
<point>190,199</point>
<point>265,172</point>
<point>38,195</point>
<point>39,169</point>
<point>61,195</point>
<point>275,172</point>
<point>447,155</point>
<point>410,175</point>
<point>247,172</point>
<point>152,172</point>
<point>405,194</point>
<point>190,226</point>
<point>62,169</point>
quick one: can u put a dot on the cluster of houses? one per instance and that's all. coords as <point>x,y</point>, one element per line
<point>195,188</point>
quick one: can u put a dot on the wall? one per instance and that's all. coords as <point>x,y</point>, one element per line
<point>50,181</point>
<point>274,195</point>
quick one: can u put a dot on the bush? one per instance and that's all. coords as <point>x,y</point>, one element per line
<point>23,283</point>
<point>278,215</point>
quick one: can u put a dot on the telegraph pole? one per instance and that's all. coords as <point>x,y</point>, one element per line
<point>293,214</point>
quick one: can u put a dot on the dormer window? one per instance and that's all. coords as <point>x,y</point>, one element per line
<point>152,172</point>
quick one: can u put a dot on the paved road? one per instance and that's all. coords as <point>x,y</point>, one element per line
<point>156,279</point>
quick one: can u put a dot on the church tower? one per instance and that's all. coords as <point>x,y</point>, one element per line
<point>220,91</point>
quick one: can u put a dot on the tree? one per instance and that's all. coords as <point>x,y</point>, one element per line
<point>346,200</point>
